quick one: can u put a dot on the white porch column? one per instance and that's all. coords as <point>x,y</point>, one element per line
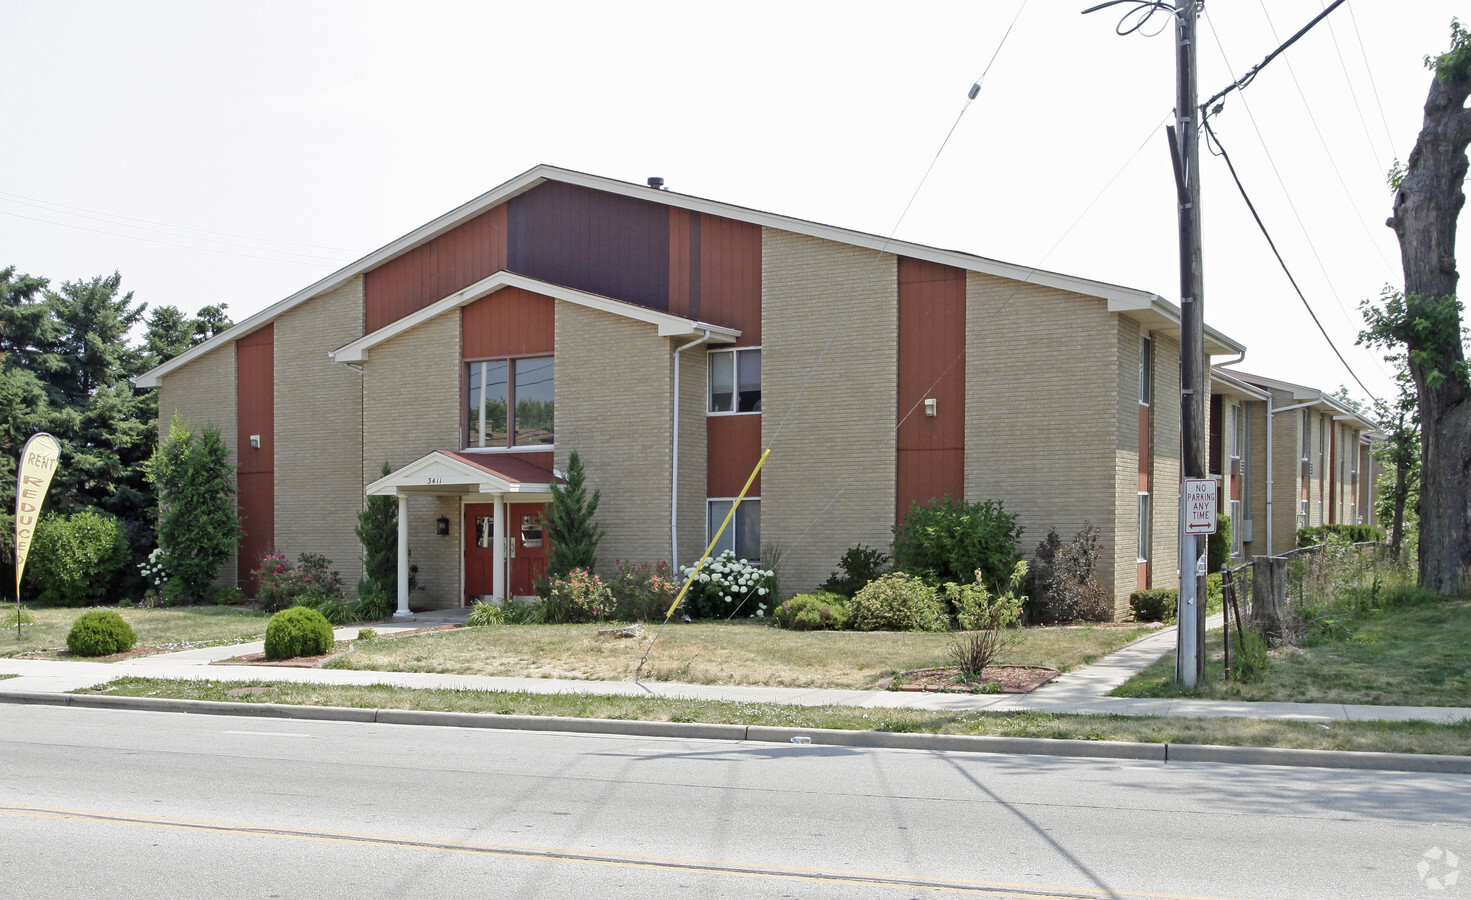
<point>498,555</point>
<point>403,559</point>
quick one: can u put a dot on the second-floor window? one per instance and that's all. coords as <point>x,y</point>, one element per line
<point>1146,369</point>
<point>510,403</point>
<point>735,380</point>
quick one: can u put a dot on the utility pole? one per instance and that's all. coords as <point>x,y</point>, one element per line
<point>1185,152</point>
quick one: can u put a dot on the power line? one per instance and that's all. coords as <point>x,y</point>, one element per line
<point>52,206</point>
<point>1255,70</point>
<point>1370,72</point>
<point>134,237</point>
<point>1358,107</point>
<point>1280,261</point>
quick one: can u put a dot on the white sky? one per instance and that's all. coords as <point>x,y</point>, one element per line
<point>256,147</point>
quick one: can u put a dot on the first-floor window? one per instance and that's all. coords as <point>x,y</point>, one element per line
<point>1236,527</point>
<point>743,534</point>
<point>510,402</point>
<point>1302,514</point>
<point>1143,527</point>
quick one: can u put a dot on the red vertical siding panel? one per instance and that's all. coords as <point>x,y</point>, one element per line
<point>510,322</point>
<point>454,260</point>
<point>930,456</point>
<point>255,363</point>
<point>730,276</point>
<point>734,446</point>
<point>679,261</point>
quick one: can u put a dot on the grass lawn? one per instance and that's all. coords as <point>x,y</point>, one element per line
<point>165,630</point>
<point>1392,737</point>
<point>1415,655</point>
<point>712,654</point>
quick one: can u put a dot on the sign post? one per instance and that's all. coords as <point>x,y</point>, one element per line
<point>1199,517</point>
<point>38,461</point>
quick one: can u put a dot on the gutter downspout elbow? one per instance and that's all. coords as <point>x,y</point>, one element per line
<point>674,457</point>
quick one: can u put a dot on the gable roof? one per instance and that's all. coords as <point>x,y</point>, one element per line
<point>444,472</point>
<point>669,326</point>
<point>1303,394</point>
<point>1142,305</point>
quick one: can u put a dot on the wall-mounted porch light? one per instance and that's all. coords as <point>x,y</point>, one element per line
<point>255,442</point>
<point>441,525</point>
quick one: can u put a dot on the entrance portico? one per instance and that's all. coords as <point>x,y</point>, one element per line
<point>496,480</point>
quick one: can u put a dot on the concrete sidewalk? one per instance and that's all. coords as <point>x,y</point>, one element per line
<point>1082,691</point>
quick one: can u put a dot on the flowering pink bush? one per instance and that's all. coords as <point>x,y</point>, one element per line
<point>642,592</point>
<point>284,584</point>
<point>578,596</point>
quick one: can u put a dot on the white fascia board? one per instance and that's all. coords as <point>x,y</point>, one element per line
<point>1153,305</point>
<point>450,472</point>
<point>668,325</point>
<point>1238,385</point>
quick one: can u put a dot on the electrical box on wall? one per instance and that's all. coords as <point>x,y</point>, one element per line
<point>929,407</point>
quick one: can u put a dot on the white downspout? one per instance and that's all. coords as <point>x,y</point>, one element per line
<point>674,459</point>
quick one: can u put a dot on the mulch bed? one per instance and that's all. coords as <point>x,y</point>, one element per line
<point>993,680</point>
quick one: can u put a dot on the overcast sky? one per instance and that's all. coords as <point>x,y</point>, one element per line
<point>236,152</point>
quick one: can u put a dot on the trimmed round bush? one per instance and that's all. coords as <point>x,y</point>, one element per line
<point>75,558</point>
<point>899,602</point>
<point>100,632</point>
<point>815,611</point>
<point>298,631</point>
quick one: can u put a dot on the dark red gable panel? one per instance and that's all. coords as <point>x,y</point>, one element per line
<point>432,271</point>
<point>510,322</point>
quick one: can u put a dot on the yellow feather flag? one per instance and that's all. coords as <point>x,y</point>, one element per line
<point>38,462</point>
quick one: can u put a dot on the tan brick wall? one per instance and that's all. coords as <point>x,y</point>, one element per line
<point>838,445</point>
<point>692,455</point>
<point>1256,457</point>
<point>1165,498</point>
<point>411,386</point>
<point>1043,411</point>
<point>319,431</point>
<point>614,397</point>
<point>1286,441</point>
<point>204,393</point>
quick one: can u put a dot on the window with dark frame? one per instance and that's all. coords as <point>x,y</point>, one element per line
<point>1144,528</point>
<point>510,402</point>
<point>1146,369</point>
<point>735,381</point>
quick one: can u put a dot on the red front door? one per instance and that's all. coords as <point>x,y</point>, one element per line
<point>479,549</point>
<point>528,547</point>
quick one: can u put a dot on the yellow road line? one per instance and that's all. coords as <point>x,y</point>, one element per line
<point>617,860</point>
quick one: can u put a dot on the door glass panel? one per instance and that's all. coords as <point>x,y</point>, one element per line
<point>485,532</point>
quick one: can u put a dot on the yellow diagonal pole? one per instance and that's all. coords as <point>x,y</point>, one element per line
<point>694,573</point>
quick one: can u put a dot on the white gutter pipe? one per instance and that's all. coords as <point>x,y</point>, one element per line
<point>674,459</point>
<point>1270,413</point>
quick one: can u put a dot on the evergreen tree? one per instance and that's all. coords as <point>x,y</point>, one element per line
<point>569,523</point>
<point>377,530</point>
<point>199,523</point>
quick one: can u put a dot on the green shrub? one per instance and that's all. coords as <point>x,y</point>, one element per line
<point>815,611</point>
<point>578,596</point>
<point>333,608</point>
<point>100,632</point>
<point>1065,585</point>
<point>569,522</point>
<point>367,634</point>
<point>371,604</point>
<point>1218,546</point>
<point>377,531</point>
<point>484,615</point>
<point>860,565</point>
<point>227,595</point>
<point>952,540</point>
<point>74,559</point>
<point>727,586</point>
<point>518,613</point>
<point>199,520</point>
<point>641,592</point>
<point>898,602</point>
<point>298,631</point>
<point>1157,605</point>
<point>283,583</point>
<point>1354,534</point>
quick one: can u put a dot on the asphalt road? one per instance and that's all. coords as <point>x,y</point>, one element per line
<point>138,804</point>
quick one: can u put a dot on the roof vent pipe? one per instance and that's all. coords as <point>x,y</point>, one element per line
<point>656,183</point>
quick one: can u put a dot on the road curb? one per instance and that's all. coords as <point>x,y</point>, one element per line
<point>1164,753</point>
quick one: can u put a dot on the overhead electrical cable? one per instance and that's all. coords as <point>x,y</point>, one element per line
<point>1282,183</point>
<point>1370,72</point>
<point>52,206</point>
<point>1379,165</point>
<point>1280,261</point>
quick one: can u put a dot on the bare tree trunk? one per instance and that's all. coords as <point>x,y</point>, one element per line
<point>1426,207</point>
<point>1401,494</point>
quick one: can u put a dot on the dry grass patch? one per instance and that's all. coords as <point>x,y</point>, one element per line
<point>712,654</point>
<point>1391,737</point>
<point>160,630</point>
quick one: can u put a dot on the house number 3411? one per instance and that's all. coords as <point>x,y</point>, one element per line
<point>435,479</point>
